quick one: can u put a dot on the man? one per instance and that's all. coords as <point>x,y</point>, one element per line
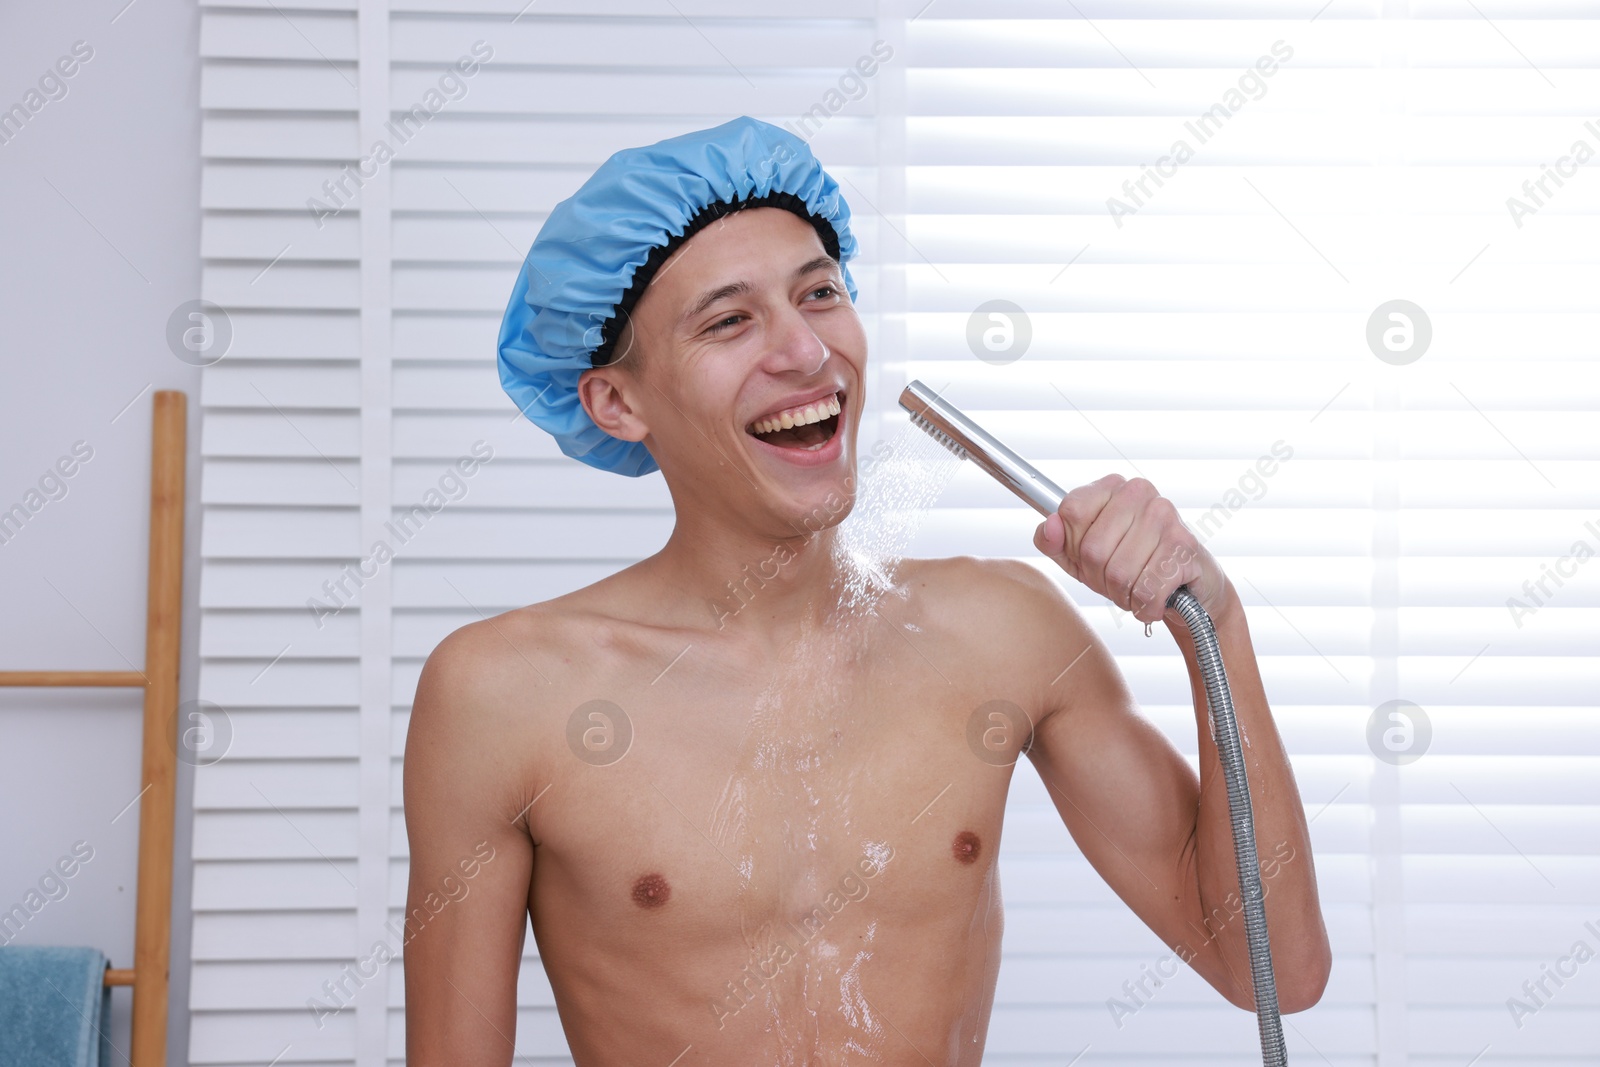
<point>769,835</point>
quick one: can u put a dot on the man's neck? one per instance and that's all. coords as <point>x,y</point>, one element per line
<point>726,577</point>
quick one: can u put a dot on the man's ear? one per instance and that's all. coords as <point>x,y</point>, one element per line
<point>607,396</point>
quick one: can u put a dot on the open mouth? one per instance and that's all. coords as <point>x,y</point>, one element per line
<point>807,428</point>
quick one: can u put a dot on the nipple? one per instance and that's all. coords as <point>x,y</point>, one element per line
<point>651,891</point>
<point>966,847</point>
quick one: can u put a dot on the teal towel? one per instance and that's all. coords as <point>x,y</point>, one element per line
<point>55,1008</point>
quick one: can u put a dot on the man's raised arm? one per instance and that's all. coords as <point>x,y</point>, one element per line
<point>1162,838</point>
<point>471,861</point>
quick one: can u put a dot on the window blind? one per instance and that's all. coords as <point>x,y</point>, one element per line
<point>1165,240</point>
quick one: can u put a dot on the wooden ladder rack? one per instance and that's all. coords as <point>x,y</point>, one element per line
<point>152,940</point>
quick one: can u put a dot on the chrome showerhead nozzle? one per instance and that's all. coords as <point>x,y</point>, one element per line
<point>966,439</point>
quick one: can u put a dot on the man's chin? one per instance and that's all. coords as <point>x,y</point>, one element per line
<point>825,506</point>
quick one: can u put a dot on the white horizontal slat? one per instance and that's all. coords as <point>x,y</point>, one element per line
<point>492,585</point>
<point>657,43</point>
<point>959,186</point>
<point>268,584</point>
<point>563,142</point>
<point>287,283</point>
<point>505,90</point>
<point>287,682</point>
<point>444,337</point>
<point>286,885</point>
<point>327,632</point>
<point>957,88</point>
<point>278,384</point>
<point>1506,929</point>
<point>257,136</point>
<point>262,237</point>
<point>303,434</point>
<point>279,481</point>
<point>1225,10</point>
<point>947,39</point>
<point>312,86</point>
<point>291,734</point>
<point>499,484</point>
<point>268,34</point>
<point>301,782</point>
<point>300,334</point>
<point>539,1038</point>
<point>264,935</point>
<point>260,1037</point>
<point>1554,779</point>
<point>1171,1030</point>
<point>305,835</point>
<point>281,533</point>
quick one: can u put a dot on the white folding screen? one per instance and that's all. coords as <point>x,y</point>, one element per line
<point>373,174</point>
<point>1217,314</point>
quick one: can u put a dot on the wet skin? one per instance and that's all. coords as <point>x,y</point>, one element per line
<point>794,862</point>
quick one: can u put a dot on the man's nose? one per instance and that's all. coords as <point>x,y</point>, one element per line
<point>795,345</point>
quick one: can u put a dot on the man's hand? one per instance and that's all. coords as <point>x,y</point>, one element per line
<point>1126,542</point>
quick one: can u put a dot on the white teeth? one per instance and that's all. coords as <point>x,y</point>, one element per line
<point>804,417</point>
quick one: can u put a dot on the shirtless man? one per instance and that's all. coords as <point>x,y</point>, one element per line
<point>768,836</point>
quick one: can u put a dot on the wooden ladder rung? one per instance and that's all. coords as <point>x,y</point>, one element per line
<point>114,976</point>
<point>112,679</point>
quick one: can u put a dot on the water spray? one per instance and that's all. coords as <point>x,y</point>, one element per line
<point>947,425</point>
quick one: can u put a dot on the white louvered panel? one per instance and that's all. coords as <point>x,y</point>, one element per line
<point>274,834</point>
<point>471,191</point>
<point>282,431</point>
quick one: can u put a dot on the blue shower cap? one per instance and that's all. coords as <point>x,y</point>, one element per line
<point>598,250</point>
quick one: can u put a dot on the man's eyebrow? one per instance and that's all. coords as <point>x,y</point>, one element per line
<point>739,288</point>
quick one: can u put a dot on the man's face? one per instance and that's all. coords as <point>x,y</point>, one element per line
<point>748,319</point>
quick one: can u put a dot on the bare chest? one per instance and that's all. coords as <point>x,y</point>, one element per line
<point>778,797</point>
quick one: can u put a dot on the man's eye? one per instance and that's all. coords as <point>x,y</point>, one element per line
<point>829,289</point>
<point>725,324</point>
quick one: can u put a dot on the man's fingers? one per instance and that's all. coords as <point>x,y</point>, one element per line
<point>1128,574</point>
<point>1082,507</point>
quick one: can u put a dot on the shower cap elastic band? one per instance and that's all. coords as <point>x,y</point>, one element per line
<point>600,247</point>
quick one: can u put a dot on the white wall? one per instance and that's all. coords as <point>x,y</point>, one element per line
<point>99,242</point>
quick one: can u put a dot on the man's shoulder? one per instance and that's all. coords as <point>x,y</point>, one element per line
<point>530,639</point>
<point>985,584</point>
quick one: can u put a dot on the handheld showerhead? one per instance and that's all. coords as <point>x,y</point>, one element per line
<point>947,425</point>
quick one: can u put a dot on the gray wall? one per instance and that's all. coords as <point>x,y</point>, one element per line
<point>99,242</point>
